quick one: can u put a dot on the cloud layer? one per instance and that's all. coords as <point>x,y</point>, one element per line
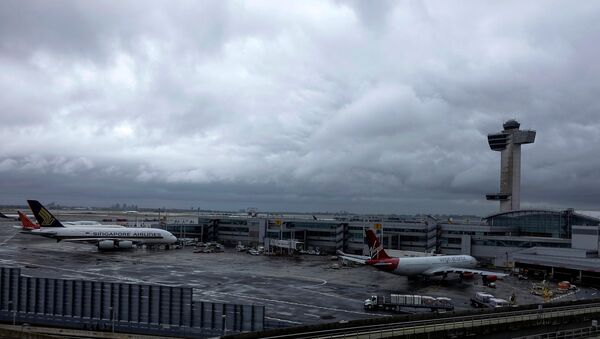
<point>305,106</point>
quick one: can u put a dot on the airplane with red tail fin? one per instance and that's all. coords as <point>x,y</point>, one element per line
<point>426,266</point>
<point>27,224</point>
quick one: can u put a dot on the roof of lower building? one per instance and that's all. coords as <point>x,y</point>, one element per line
<point>583,214</point>
<point>562,258</point>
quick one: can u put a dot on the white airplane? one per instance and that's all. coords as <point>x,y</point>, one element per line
<point>27,224</point>
<point>427,266</point>
<point>106,238</point>
<point>14,217</point>
<point>20,215</point>
<point>89,223</point>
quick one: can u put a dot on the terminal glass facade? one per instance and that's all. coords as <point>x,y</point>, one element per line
<point>541,223</point>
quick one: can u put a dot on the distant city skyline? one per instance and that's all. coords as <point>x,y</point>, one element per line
<point>305,106</point>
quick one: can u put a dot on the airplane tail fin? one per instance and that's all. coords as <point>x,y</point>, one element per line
<point>42,215</point>
<point>3,216</point>
<point>27,224</point>
<point>375,247</point>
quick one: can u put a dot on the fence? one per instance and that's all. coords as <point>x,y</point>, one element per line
<point>140,308</point>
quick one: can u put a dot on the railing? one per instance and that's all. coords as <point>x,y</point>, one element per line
<point>574,333</point>
<point>449,323</point>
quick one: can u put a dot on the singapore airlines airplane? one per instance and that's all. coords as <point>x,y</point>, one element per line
<point>427,266</point>
<point>106,238</point>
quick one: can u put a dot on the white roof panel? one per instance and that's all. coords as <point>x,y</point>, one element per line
<point>593,214</point>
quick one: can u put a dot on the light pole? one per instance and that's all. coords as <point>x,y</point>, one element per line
<point>201,231</point>
<point>224,324</point>
<point>112,318</point>
<point>10,306</point>
<point>198,222</point>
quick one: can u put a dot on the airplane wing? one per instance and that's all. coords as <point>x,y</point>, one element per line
<point>85,240</point>
<point>35,232</point>
<point>459,270</point>
<point>352,257</point>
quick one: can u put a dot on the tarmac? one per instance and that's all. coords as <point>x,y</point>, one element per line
<point>298,290</point>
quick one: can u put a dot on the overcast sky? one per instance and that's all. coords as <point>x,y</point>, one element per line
<point>363,106</point>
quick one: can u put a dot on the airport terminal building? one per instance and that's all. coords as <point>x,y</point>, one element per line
<point>496,240</point>
<point>551,242</point>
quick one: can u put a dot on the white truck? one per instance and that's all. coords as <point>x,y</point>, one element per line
<point>404,302</point>
<point>497,302</point>
<point>483,299</point>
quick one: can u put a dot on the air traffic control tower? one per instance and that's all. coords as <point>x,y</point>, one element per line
<point>509,142</point>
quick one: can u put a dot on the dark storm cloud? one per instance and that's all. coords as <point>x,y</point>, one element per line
<point>299,106</point>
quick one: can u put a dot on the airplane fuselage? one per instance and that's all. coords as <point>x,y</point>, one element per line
<point>85,233</point>
<point>85,223</point>
<point>413,266</point>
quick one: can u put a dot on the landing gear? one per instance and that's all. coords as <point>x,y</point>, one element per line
<point>421,279</point>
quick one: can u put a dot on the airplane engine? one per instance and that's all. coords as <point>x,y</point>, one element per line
<point>466,275</point>
<point>106,245</point>
<point>491,278</point>
<point>126,244</point>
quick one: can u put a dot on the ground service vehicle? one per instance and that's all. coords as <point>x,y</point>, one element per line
<point>486,300</point>
<point>407,303</point>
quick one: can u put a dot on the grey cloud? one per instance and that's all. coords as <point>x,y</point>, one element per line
<point>46,165</point>
<point>95,30</point>
<point>303,106</point>
<point>372,14</point>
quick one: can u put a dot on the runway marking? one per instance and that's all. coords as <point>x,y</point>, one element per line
<point>323,282</point>
<point>7,239</point>
<point>294,303</point>
<point>133,280</point>
<point>327,294</point>
<point>139,281</point>
<point>149,260</point>
<point>284,320</point>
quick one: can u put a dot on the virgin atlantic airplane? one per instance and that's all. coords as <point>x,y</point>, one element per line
<point>428,266</point>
